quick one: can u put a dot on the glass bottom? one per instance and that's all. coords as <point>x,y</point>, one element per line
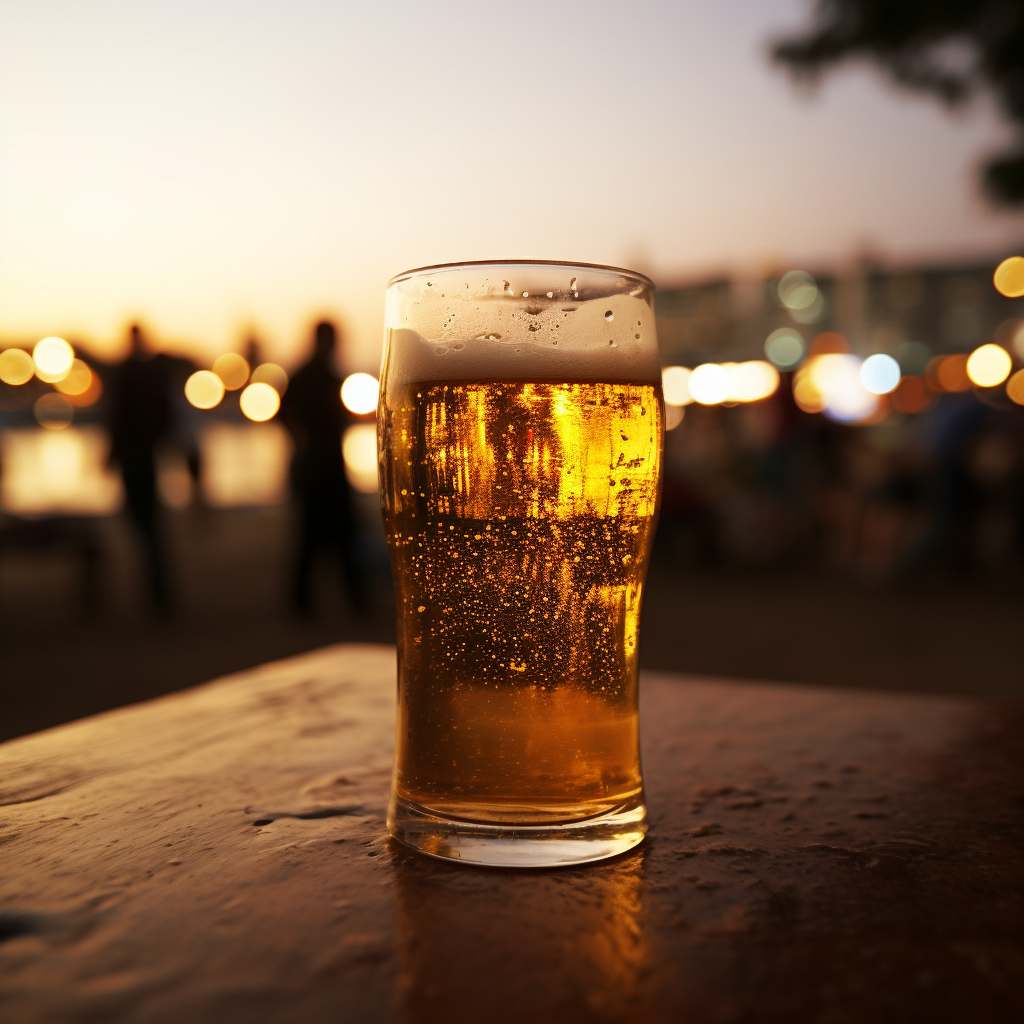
<point>519,846</point>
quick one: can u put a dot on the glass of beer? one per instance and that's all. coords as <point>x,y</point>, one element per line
<point>520,435</point>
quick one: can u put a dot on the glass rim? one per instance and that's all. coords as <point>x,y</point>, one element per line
<point>438,267</point>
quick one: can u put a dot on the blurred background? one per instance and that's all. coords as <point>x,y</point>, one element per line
<point>827,197</point>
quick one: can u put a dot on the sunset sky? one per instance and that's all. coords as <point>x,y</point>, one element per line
<point>217,167</point>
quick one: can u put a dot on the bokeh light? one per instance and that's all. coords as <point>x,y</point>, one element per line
<point>806,393</point>
<point>272,374</point>
<point>16,366</point>
<point>259,402</point>
<point>989,365</point>
<point>752,381</point>
<point>53,358</point>
<point>359,448</point>
<point>58,472</point>
<point>90,395</point>
<point>785,347</point>
<point>797,290</point>
<point>232,369</point>
<point>831,384</point>
<point>77,381</point>
<point>912,396</point>
<point>244,464</point>
<point>204,389</point>
<point>674,415</point>
<point>676,382</point>
<point>948,373</point>
<point>880,374</point>
<point>709,384</point>
<point>829,343</point>
<point>359,394</point>
<point>1009,277</point>
<point>53,411</point>
<point>1015,388</point>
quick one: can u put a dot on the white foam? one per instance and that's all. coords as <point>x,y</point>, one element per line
<point>460,338</point>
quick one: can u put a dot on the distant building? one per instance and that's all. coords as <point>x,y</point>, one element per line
<point>910,312</point>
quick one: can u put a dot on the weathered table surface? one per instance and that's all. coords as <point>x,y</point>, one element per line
<point>220,855</point>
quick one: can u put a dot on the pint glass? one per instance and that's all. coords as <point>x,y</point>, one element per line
<point>520,431</point>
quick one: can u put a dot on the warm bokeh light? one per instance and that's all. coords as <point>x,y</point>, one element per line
<point>53,358</point>
<point>785,347</point>
<point>232,369</point>
<point>259,402</point>
<point>1009,278</point>
<point>16,366</point>
<point>359,447</point>
<point>831,384</point>
<point>204,389</point>
<point>806,393</point>
<point>77,381</point>
<point>948,373</point>
<point>245,464</point>
<point>272,374</point>
<point>90,395</point>
<point>880,374</point>
<point>709,384</point>
<point>675,381</point>
<point>752,381</point>
<point>1015,388</point>
<point>829,343</point>
<point>359,393</point>
<point>912,396</point>
<point>174,482</point>
<point>674,415</point>
<point>53,411</point>
<point>989,365</point>
<point>65,472</point>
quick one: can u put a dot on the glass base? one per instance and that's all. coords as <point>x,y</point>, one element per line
<point>519,846</point>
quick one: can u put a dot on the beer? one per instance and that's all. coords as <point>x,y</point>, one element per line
<point>520,517</point>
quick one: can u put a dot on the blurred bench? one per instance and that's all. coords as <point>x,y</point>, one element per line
<point>73,536</point>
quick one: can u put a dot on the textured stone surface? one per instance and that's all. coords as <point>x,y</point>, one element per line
<point>219,855</point>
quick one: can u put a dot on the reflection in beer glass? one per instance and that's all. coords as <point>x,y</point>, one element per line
<point>520,435</point>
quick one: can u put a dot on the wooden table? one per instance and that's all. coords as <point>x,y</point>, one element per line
<point>219,855</point>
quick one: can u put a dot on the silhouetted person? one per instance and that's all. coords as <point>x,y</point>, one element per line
<point>140,415</point>
<point>312,410</point>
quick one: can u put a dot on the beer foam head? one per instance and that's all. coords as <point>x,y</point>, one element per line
<point>521,321</point>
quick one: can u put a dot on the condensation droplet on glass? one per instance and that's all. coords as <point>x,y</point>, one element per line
<point>575,295</point>
<point>526,295</point>
<point>611,341</point>
<point>506,285</point>
<point>637,336</point>
<point>609,315</point>
<point>572,283</point>
<point>551,295</point>
<point>430,284</point>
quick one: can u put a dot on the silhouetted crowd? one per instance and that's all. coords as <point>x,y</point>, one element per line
<point>146,410</point>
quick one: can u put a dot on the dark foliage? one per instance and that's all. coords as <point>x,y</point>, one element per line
<point>950,48</point>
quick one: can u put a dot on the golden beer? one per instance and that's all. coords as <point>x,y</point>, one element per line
<point>520,516</point>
